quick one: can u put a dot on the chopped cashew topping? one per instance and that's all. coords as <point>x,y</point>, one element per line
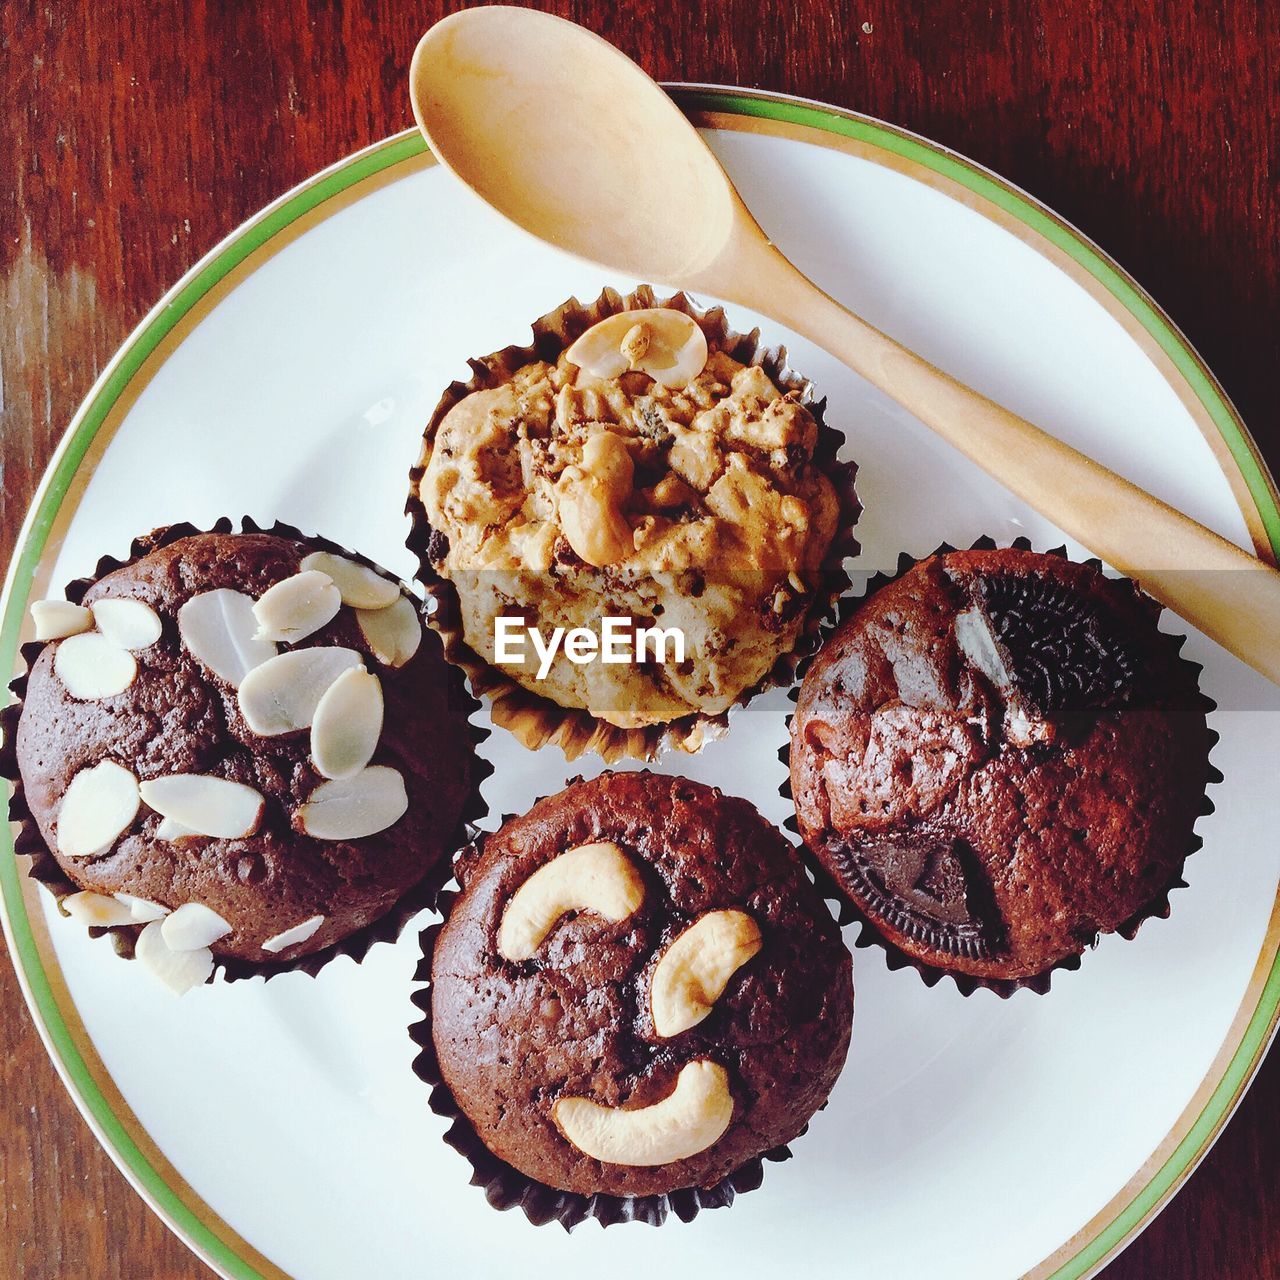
<point>592,496</point>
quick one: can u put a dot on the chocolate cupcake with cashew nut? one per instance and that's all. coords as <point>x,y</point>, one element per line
<point>637,996</point>
<point>240,748</point>
<point>997,757</point>
<point>642,463</point>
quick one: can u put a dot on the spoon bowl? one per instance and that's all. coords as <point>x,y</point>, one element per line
<point>563,111</point>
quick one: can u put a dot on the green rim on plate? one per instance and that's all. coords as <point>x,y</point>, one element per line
<point>149,1181</point>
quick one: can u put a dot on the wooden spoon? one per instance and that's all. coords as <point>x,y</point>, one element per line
<point>569,139</point>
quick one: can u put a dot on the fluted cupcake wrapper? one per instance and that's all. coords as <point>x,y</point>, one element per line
<point>505,1187</point>
<point>847,912</point>
<point>536,720</point>
<point>45,868</point>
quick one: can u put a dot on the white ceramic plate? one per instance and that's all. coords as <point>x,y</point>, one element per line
<point>278,1126</point>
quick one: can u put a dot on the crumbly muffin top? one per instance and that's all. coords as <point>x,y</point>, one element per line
<point>567,981</point>
<point>288,871</point>
<point>999,756</point>
<point>630,473</point>
<point>572,495</point>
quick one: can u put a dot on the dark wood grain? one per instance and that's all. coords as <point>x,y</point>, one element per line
<point>135,136</point>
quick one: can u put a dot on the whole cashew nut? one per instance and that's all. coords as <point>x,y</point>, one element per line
<point>596,877</point>
<point>591,500</point>
<point>688,1120</point>
<point>695,969</point>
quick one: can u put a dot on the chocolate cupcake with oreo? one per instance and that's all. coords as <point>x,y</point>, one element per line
<point>637,996</point>
<point>240,749</point>
<point>997,757</point>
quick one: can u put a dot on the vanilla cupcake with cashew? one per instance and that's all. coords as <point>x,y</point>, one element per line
<point>637,521</point>
<point>638,993</point>
<point>240,748</point>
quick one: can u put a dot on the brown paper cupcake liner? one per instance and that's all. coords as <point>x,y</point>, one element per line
<point>537,721</point>
<point>505,1187</point>
<point>847,912</point>
<point>44,867</point>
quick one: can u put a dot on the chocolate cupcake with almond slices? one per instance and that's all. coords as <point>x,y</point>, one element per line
<point>636,998</point>
<point>997,757</point>
<point>638,461</point>
<point>240,749</point>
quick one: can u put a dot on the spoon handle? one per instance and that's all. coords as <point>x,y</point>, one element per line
<point>1225,592</point>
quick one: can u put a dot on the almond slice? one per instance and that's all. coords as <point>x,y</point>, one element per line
<point>361,587</point>
<point>976,642</point>
<point>220,630</point>
<point>205,804</point>
<point>55,619</point>
<point>664,343</point>
<point>132,624</point>
<point>282,694</point>
<point>192,926</point>
<point>142,910</point>
<point>168,829</point>
<point>393,633</point>
<point>91,666</point>
<point>347,724</point>
<point>96,909</point>
<point>98,806</point>
<point>180,971</point>
<point>292,937</point>
<point>296,606</point>
<point>351,808</point>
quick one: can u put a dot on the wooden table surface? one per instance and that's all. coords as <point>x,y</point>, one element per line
<point>136,136</point>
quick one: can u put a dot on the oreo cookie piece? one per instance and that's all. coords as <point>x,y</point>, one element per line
<point>997,756</point>
<point>1054,648</point>
<point>929,886</point>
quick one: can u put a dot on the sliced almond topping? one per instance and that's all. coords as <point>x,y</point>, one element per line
<point>98,806</point>
<point>168,829</point>
<point>142,910</point>
<point>976,642</point>
<point>96,909</point>
<point>297,606</point>
<point>91,666</point>
<point>664,343</point>
<point>55,619</point>
<point>347,724</point>
<point>393,633</point>
<point>205,804</point>
<point>192,926</point>
<point>292,937</point>
<point>351,808</point>
<point>220,630</point>
<point>132,624</point>
<point>180,971</point>
<point>361,587</point>
<point>282,694</point>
